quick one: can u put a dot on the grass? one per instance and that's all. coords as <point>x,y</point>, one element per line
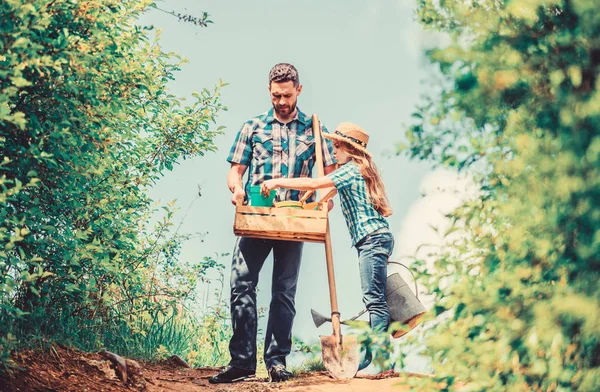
<point>309,366</point>
<point>151,337</point>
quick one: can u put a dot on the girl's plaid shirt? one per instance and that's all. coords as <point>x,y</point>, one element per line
<point>361,217</point>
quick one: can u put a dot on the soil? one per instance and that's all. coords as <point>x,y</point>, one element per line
<point>64,369</point>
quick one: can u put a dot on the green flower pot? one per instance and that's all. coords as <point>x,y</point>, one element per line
<point>258,200</point>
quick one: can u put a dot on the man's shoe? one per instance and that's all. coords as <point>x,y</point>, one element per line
<point>231,374</point>
<point>277,373</point>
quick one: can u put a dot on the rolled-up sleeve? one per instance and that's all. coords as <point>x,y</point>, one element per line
<point>241,151</point>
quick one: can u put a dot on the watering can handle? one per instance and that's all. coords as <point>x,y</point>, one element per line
<point>416,291</point>
<point>412,274</point>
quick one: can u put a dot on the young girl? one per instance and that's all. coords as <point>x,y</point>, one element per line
<point>365,206</point>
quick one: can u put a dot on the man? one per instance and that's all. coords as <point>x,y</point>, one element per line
<point>279,143</point>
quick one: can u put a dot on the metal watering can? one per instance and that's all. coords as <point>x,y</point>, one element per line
<point>404,305</point>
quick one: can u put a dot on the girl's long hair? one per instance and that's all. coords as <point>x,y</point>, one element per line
<point>375,186</point>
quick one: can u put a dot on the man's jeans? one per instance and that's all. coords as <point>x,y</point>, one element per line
<point>373,253</point>
<point>248,258</point>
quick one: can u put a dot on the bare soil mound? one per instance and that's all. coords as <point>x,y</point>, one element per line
<point>64,369</point>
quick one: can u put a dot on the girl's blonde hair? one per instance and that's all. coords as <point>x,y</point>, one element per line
<point>375,186</point>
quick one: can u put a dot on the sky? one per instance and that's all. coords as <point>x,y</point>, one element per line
<point>360,61</point>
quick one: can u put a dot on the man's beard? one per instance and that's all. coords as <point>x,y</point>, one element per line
<point>278,109</point>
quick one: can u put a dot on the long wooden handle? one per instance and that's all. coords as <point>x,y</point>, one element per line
<point>318,145</point>
<point>335,314</point>
<point>318,154</point>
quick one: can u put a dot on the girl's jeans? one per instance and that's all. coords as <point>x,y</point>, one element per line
<point>373,253</point>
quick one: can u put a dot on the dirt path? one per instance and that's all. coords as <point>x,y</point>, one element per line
<point>188,380</point>
<point>62,369</point>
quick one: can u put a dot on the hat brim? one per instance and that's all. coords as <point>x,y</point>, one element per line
<point>344,140</point>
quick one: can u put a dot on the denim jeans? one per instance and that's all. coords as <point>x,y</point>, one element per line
<point>373,253</point>
<point>248,258</point>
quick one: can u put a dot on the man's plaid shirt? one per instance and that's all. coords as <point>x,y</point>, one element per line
<point>361,217</point>
<point>272,149</point>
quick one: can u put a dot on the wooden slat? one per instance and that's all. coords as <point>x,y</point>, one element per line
<point>278,224</point>
<point>300,237</point>
<point>267,211</point>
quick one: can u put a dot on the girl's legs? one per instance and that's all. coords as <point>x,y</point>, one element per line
<point>373,254</point>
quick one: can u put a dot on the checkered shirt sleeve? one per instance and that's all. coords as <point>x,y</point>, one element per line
<point>241,151</point>
<point>327,148</point>
<point>344,176</point>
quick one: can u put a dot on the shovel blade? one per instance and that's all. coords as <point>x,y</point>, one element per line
<point>340,360</point>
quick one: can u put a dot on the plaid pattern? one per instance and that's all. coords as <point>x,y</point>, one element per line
<point>362,219</point>
<point>274,150</point>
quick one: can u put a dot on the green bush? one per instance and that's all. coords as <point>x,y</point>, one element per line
<point>87,126</point>
<point>522,112</point>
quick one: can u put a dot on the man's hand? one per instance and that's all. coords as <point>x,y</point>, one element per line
<point>237,196</point>
<point>268,185</point>
<point>329,205</point>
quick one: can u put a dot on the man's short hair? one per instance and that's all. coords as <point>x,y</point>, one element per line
<point>284,72</point>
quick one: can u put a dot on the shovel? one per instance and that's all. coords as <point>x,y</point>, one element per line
<point>340,353</point>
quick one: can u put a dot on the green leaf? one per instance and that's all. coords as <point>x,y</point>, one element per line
<point>20,82</point>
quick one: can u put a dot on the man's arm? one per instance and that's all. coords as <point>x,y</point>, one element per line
<point>234,182</point>
<point>239,157</point>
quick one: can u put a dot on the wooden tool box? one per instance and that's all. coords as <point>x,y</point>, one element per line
<point>292,224</point>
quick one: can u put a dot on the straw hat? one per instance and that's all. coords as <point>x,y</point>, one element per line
<point>352,134</point>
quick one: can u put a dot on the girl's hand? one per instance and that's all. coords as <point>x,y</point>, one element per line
<point>268,186</point>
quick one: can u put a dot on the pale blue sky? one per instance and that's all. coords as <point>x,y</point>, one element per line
<point>359,61</point>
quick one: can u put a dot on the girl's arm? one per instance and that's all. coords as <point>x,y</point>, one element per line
<point>301,184</point>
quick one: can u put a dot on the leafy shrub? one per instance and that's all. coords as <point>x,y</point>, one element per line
<point>522,112</point>
<point>87,126</point>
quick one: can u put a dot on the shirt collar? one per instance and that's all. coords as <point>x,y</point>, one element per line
<point>300,116</point>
